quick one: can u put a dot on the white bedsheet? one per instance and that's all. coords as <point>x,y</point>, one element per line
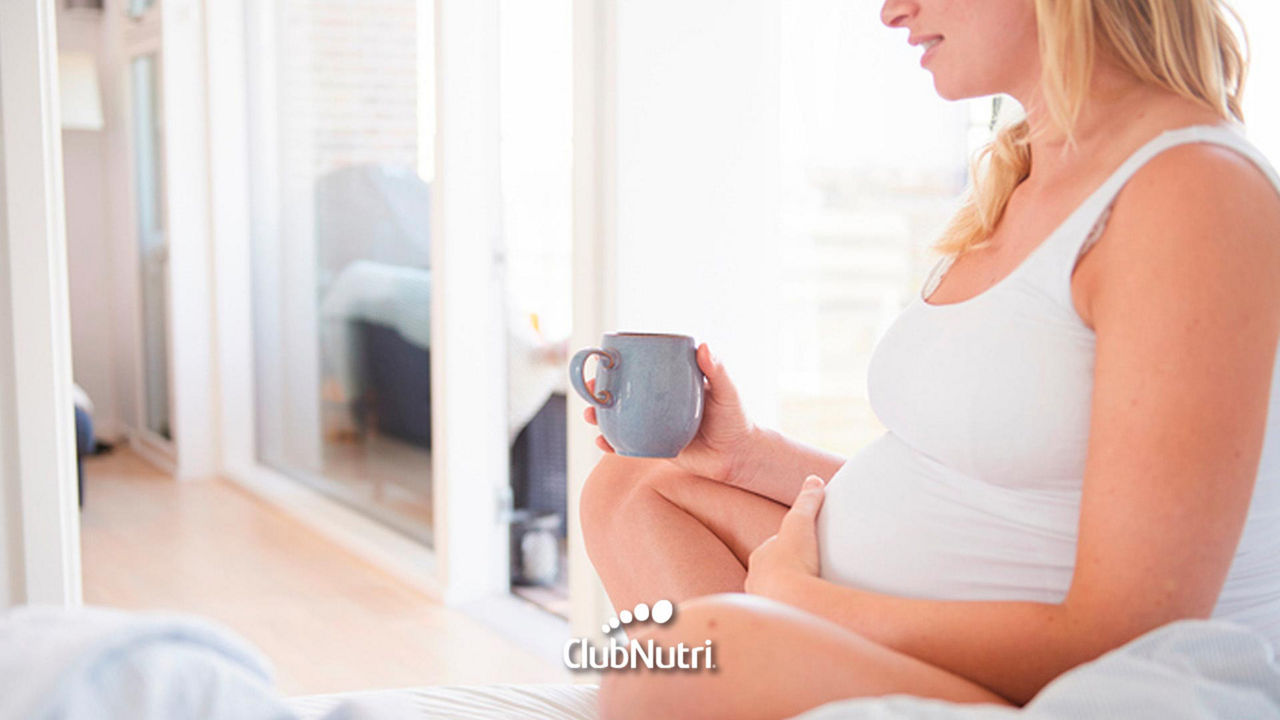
<point>479,702</point>
<point>108,665</point>
<point>1201,670</point>
<point>1186,670</point>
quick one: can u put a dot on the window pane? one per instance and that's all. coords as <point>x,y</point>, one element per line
<point>873,162</point>
<point>153,248</point>
<point>342,273</point>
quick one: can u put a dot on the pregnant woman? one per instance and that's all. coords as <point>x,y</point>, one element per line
<point>1078,445</point>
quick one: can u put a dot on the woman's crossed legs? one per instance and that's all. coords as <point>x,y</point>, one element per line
<point>654,532</point>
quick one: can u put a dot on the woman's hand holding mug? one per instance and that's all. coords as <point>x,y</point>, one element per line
<point>721,444</point>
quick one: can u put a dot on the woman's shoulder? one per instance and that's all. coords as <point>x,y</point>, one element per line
<point>1197,153</point>
<point>1198,218</point>
<point>1213,160</point>
<point>1209,186</point>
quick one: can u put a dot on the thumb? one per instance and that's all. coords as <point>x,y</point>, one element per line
<point>803,515</point>
<point>721,386</point>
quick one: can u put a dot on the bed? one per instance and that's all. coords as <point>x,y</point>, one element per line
<point>107,664</point>
<point>480,702</point>
<point>1187,670</point>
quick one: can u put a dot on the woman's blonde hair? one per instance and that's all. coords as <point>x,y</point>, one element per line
<point>1186,46</point>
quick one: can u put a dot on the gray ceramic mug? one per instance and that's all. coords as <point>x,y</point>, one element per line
<point>648,395</point>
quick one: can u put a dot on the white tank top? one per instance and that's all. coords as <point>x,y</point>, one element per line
<point>973,492</point>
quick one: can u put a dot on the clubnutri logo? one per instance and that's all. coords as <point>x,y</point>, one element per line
<point>619,654</point>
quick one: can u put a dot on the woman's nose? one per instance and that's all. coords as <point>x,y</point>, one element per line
<point>895,12</point>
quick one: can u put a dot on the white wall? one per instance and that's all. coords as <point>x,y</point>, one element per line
<point>676,164</point>
<point>698,161</point>
<point>91,260</point>
<point>90,265</point>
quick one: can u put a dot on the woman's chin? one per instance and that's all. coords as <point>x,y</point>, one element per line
<point>949,88</point>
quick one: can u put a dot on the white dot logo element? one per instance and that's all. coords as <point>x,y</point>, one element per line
<point>662,611</point>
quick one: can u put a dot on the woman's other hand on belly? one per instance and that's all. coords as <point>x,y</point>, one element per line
<point>777,566</point>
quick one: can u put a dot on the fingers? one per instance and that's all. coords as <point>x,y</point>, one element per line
<point>709,364</point>
<point>721,387</point>
<point>589,414</point>
<point>809,501</point>
<point>803,515</point>
<point>706,362</point>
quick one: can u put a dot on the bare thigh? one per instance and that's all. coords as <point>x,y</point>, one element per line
<point>771,661</point>
<point>655,532</point>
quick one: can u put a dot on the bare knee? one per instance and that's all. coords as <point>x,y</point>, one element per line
<point>611,487</point>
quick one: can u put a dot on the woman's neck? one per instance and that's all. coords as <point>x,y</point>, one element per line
<point>1117,112</point>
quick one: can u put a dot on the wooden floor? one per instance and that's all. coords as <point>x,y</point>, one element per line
<point>329,621</point>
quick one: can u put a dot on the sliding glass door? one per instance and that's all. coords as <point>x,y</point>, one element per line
<point>341,116</point>
<point>342,110</point>
<point>153,246</point>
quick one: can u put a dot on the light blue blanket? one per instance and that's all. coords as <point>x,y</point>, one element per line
<point>99,664</point>
<point>96,663</point>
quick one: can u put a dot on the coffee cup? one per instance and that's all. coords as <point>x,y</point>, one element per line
<point>648,391</point>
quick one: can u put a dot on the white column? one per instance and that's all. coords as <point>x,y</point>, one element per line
<point>594,249</point>
<point>193,374</point>
<point>468,326</point>
<point>226,50</point>
<point>39,521</point>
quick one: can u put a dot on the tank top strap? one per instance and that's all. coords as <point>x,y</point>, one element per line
<point>1085,226</point>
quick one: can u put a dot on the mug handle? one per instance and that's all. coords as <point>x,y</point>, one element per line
<point>608,359</point>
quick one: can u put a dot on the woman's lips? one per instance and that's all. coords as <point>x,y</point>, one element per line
<point>930,47</point>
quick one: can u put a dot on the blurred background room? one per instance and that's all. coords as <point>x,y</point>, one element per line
<point>326,260</point>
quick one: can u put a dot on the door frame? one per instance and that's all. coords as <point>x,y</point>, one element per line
<point>143,37</point>
<point>594,267</point>
<point>470,440</point>
<point>36,399</point>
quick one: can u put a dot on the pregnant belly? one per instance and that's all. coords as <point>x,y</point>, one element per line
<point>896,521</point>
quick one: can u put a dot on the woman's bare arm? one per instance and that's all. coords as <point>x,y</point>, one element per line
<point>775,465</point>
<point>731,449</point>
<point>1187,314</point>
